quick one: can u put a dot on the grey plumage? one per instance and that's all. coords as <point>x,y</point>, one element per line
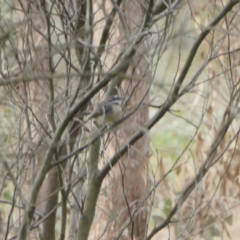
<point>107,111</point>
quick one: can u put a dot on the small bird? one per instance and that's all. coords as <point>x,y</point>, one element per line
<point>107,111</point>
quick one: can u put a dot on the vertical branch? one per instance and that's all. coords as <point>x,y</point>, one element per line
<point>93,189</point>
<point>128,187</point>
<point>84,28</point>
<point>34,52</point>
<point>50,63</point>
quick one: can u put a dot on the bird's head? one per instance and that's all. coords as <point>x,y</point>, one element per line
<point>115,99</point>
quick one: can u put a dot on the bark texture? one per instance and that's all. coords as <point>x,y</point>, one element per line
<point>127,184</point>
<point>33,57</point>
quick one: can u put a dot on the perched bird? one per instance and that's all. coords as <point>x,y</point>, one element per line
<point>107,111</point>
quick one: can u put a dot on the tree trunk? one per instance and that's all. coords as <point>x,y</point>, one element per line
<point>129,176</point>
<point>33,50</point>
<point>36,99</point>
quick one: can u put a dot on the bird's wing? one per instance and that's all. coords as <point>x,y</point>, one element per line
<point>99,110</point>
